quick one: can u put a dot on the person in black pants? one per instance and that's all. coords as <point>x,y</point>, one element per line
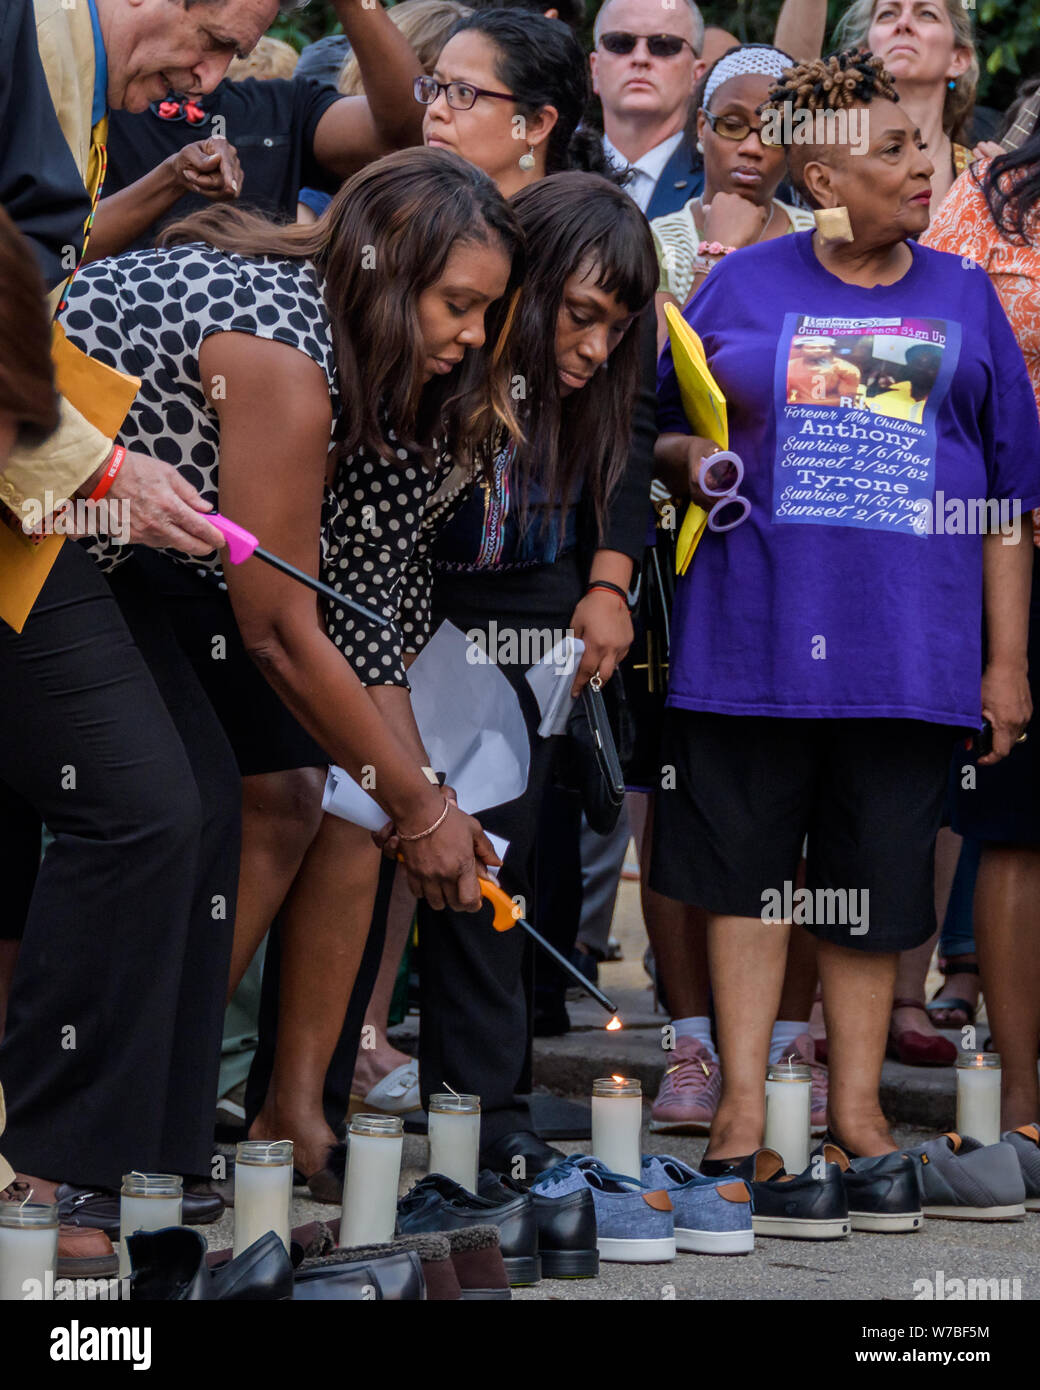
<point>110,1057</point>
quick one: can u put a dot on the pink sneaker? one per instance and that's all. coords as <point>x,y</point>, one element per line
<point>804,1052</point>
<point>689,1094</point>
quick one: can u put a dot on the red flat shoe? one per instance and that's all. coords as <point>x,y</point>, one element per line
<point>917,1049</point>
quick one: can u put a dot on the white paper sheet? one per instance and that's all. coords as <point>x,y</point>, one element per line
<point>551,680</point>
<point>471,724</point>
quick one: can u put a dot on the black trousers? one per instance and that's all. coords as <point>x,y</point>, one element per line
<point>475,1030</point>
<point>112,1049</point>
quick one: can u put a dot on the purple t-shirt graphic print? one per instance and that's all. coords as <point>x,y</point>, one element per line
<point>862,417</point>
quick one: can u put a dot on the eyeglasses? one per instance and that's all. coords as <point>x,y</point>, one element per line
<point>460,96</point>
<point>734,128</point>
<point>730,474</point>
<point>658,45</point>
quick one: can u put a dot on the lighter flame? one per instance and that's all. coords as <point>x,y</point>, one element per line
<point>614,1024</point>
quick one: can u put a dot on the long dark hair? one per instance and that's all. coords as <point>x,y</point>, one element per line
<point>570,220</point>
<point>1012,182</point>
<point>26,374</point>
<point>544,64</point>
<point>385,238</point>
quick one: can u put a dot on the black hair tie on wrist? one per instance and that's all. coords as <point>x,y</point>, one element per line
<point>606,584</point>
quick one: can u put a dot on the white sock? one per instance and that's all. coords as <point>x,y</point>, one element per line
<point>697,1028</point>
<point>781,1044</point>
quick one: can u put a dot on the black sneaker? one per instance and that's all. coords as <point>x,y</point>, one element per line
<point>436,1203</point>
<point>566,1227</point>
<point>883,1197</point>
<point>807,1206</point>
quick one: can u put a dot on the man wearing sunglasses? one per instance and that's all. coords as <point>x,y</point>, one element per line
<point>645,64</point>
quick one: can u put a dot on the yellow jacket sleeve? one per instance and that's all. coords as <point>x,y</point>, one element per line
<point>62,463</point>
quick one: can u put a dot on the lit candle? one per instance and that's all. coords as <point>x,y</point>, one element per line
<point>263,1190</point>
<point>373,1173</point>
<point>455,1138</point>
<point>789,1113</point>
<point>617,1121</point>
<point>28,1250</point>
<point>978,1096</point>
<point>148,1202</point>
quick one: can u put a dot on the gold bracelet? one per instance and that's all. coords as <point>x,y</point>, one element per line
<point>424,834</point>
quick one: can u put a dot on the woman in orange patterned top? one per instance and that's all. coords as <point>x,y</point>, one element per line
<point>992,219</point>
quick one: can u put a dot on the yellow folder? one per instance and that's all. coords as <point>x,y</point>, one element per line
<point>705,408</point>
<point>101,395</point>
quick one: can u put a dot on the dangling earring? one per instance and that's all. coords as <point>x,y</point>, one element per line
<point>528,161</point>
<point>833,224</point>
<point>952,85</point>
<point>700,147</point>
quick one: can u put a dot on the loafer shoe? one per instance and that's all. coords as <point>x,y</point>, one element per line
<point>961,1179</point>
<point>436,1203</point>
<point>800,1206</point>
<point>883,1195</point>
<point>566,1227</point>
<point>538,1156</point>
<point>712,1215</point>
<point>1026,1143</point>
<point>85,1253</point>
<point>634,1225</point>
<point>99,1208</point>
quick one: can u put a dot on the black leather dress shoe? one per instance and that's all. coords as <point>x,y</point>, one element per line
<point>566,1227</point>
<point>799,1206</point>
<point>538,1156</point>
<point>170,1266</point>
<point>436,1203</point>
<point>99,1208</point>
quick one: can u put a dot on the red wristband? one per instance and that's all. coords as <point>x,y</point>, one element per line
<point>115,463</point>
<point>606,588</point>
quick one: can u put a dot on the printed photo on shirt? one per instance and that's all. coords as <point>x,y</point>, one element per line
<point>856,407</point>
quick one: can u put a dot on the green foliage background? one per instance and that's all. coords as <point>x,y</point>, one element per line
<point>1008,34</point>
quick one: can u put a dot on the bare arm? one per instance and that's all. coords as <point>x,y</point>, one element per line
<point>1007,573</point>
<point>800,28</point>
<point>209,167</point>
<point>356,130</point>
<point>275,419</point>
<point>676,458</point>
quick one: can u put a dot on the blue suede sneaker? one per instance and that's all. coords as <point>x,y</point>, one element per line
<point>633,1224</point>
<point>712,1215</point>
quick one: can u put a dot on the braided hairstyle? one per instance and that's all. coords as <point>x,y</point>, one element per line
<point>854,77</point>
<point>833,83</point>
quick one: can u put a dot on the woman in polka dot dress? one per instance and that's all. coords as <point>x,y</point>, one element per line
<point>304,379</point>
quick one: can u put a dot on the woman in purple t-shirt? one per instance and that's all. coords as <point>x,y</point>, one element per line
<point>826,649</point>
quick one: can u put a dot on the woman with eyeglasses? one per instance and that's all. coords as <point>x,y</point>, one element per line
<point>826,650</point>
<point>742,171</point>
<point>508,93</point>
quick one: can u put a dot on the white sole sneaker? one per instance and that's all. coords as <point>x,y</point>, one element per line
<point>714,1242</point>
<point>890,1223</point>
<point>680,1126</point>
<point>1033,1204</point>
<point>796,1228</point>
<point>636,1252</point>
<point>977,1213</point>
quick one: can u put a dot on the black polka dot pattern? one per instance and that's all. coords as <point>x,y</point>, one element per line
<point>147,314</point>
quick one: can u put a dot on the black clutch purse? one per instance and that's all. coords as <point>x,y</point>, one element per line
<point>598,735</point>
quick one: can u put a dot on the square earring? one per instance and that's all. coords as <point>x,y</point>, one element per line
<point>833,224</point>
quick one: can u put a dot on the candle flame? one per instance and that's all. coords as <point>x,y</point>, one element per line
<point>619,1079</point>
<point>614,1024</point>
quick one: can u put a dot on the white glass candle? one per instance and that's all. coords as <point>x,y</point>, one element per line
<point>978,1096</point>
<point>373,1174</point>
<point>263,1190</point>
<point>28,1250</point>
<point>455,1138</point>
<point>789,1114</point>
<point>617,1122</point>
<point>147,1202</point>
